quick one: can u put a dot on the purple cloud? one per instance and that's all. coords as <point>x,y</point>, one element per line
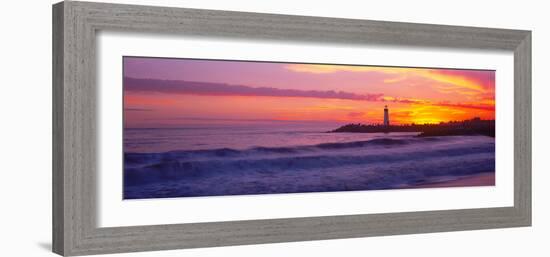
<point>206,88</point>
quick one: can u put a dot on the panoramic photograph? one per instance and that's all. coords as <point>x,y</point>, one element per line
<point>198,127</point>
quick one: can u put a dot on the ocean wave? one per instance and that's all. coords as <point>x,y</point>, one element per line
<point>192,180</point>
<point>173,166</point>
<point>379,163</point>
<point>137,158</point>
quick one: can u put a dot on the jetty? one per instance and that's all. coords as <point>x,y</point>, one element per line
<point>474,126</point>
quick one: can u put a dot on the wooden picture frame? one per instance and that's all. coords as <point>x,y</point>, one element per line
<point>75,25</point>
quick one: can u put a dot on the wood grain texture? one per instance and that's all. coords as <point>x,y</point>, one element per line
<point>522,128</point>
<point>58,191</point>
<point>75,25</point>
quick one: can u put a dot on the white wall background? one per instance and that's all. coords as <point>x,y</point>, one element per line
<point>25,128</point>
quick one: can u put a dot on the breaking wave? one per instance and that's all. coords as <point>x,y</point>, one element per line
<point>359,165</point>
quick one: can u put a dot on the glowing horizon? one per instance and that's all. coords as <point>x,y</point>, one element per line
<point>162,92</point>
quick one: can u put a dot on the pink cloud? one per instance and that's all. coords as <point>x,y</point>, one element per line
<point>213,89</point>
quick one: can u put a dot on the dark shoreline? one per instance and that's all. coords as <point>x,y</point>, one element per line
<point>474,126</point>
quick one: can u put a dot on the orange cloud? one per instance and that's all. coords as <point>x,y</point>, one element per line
<point>403,100</point>
<point>325,68</point>
<point>460,81</point>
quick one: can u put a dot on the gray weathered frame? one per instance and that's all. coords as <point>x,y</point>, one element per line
<point>75,25</point>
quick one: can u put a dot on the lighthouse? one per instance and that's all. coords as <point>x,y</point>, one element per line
<point>386,117</point>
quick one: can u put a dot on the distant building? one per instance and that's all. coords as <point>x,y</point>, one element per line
<point>386,117</point>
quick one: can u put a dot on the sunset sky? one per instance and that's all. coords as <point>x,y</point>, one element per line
<point>161,92</point>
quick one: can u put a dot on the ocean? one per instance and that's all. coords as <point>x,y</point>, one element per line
<point>292,158</point>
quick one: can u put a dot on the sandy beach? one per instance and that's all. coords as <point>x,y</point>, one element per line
<point>485,179</point>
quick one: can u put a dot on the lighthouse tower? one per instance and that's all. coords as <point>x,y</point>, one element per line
<point>386,117</point>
